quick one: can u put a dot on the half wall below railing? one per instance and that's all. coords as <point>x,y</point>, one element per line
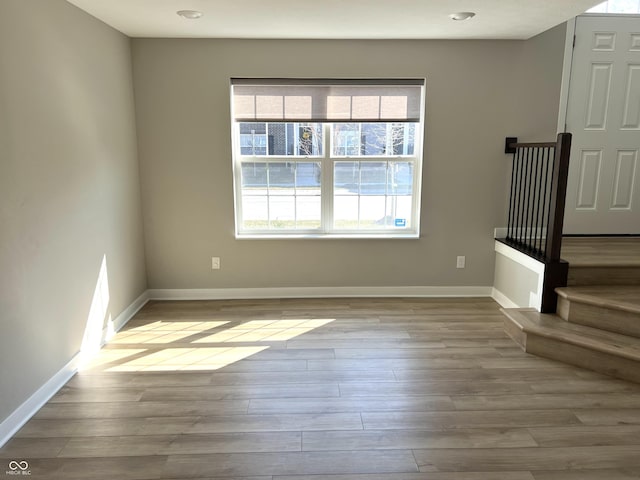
<point>536,208</point>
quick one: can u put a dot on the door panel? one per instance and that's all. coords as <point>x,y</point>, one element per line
<point>625,174</point>
<point>603,114</point>
<point>590,162</point>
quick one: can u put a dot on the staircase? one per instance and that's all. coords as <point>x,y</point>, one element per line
<point>597,323</point>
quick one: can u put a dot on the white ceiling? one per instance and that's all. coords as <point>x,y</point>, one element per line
<point>339,19</point>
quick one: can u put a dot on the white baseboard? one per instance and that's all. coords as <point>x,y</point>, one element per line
<point>30,407</point>
<point>315,292</point>
<point>502,299</point>
<point>25,411</point>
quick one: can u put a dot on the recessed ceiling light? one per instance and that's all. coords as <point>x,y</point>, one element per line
<point>189,14</point>
<point>462,15</point>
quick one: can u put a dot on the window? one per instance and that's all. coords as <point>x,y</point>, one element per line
<point>327,158</point>
<point>617,6</point>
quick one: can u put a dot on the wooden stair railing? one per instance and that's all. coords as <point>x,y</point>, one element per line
<point>536,208</point>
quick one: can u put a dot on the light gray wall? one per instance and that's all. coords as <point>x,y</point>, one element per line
<point>69,186</point>
<point>542,65</point>
<point>478,92</point>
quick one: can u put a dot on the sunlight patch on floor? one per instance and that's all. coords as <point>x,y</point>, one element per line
<point>184,358</point>
<point>265,330</point>
<point>193,354</point>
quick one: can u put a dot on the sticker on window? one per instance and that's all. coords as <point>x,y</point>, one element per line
<point>401,222</point>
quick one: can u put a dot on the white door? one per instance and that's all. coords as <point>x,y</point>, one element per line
<point>603,114</point>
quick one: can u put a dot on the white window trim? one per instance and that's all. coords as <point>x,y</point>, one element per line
<point>327,195</point>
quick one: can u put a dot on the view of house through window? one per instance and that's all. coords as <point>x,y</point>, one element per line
<point>332,175</point>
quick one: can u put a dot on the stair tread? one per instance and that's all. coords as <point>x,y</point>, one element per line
<point>619,297</point>
<point>552,326</point>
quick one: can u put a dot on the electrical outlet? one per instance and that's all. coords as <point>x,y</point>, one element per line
<point>215,263</point>
<point>460,261</point>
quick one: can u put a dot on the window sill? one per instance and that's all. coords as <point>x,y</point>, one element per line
<point>328,236</point>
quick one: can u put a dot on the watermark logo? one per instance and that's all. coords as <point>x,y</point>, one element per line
<point>18,468</point>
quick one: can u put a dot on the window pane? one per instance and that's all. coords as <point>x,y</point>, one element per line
<point>282,178</point>
<point>399,211</point>
<point>254,178</point>
<point>346,139</point>
<point>280,139</point>
<point>346,178</point>
<point>308,212</point>
<point>253,138</point>
<point>403,137</point>
<point>282,212</point>
<point>345,212</point>
<point>308,139</point>
<point>373,139</point>
<point>372,212</point>
<point>400,178</point>
<point>308,177</point>
<point>255,212</point>
<point>373,178</point>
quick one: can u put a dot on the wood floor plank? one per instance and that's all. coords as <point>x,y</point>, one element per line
<point>98,468</point>
<point>277,422</point>
<point>444,361</point>
<point>440,352</point>
<point>584,386</point>
<point>249,442</point>
<point>291,353</point>
<point>347,344</point>
<point>588,475</point>
<point>241,392</point>
<point>117,446</point>
<point>142,445</point>
<point>467,419</point>
<point>416,439</point>
<point>604,416</point>
<point>586,435</point>
<point>89,427</point>
<point>188,408</point>
<point>222,377</point>
<point>527,375</point>
<point>529,459</point>
<point>355,389</point>
<point>548,400</point>
<point>39,447</point>
<point>116,394</point>
<point>422,403</point>
<point>418,476</point>
<point>285,463</point>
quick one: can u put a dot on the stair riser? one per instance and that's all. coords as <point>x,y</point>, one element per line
<point>515,332</point>
<point>582,276</point>
<point>583,357</point>
<point>612,320</point>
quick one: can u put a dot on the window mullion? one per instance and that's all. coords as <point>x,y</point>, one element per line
<point>326,185</point>
<point>268,195</point>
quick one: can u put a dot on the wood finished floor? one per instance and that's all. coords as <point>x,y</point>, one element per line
<point>330,389</point>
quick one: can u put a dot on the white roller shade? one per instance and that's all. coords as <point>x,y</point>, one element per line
<point>322,100</point>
